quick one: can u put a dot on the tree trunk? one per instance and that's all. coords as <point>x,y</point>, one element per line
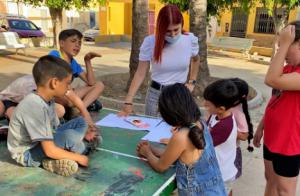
<point>139,32</point>
<point>56,18</point>
<point>198,21</point>
<point>279,24</point>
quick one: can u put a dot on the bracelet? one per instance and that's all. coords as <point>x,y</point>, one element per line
<point>126,103</point>
<point>193,82</point>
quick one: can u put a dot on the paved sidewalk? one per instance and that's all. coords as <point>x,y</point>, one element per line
<point>115,59</point>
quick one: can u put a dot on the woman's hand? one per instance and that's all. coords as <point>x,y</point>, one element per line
<point>190,86</point>
<point>126,110</point>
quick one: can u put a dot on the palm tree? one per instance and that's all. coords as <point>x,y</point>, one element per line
<point>139,32</point>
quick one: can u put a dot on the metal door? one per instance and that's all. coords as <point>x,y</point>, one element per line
<point>238,23</point>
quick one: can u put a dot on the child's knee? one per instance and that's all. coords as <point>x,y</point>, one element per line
<point>60,110</point>
<point>9,112</point>
<point>2,108</point>
<point>99,86</point>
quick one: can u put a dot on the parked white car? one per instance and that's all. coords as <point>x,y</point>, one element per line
<point>91,34</point>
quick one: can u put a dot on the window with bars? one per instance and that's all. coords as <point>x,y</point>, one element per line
<point>264,22</point>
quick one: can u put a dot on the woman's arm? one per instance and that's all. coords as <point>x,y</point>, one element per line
<point>137,80</point>
<point>194,69</point>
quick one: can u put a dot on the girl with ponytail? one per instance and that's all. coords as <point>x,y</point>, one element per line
<point>243,121</point>
<point>190,147</point>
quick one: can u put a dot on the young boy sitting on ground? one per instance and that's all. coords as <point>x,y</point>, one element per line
<point>69,46</point>
<point>22,86</point>
<point>35,137</point>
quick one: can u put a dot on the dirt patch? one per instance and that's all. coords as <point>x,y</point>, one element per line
<point>115,87</point>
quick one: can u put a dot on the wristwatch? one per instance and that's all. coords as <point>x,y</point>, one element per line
<point>193,82</point>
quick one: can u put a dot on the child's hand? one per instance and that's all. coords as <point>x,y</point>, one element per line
<point>83,160</point>
<point>257,137</point>
<point>143,148</point>
<point>89,56</point>
<point>91,135</point>
<point>287,35</point>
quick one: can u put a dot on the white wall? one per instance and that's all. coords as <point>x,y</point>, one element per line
<point>41,16</point>
<point>212,29</point>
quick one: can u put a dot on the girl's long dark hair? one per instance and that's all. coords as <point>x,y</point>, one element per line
<point>243,89</point>
<point>178,108</point>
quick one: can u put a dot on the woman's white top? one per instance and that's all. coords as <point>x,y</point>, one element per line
<point>175,60</point>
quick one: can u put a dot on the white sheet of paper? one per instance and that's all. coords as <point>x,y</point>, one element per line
<point>163,130</point>
<point>112,120</point>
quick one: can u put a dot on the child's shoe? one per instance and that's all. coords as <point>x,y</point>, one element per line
<point>64,167</point>
<point>96,106</point>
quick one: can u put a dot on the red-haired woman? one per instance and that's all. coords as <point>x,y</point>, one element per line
<point>173,55</point>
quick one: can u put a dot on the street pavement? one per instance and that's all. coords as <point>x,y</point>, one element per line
<point>115,59</point>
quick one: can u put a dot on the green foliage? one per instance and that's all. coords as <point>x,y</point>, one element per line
<point>287,4</point>
<point>182,4</point>
<point>63,4</point>
<point>214,7</point>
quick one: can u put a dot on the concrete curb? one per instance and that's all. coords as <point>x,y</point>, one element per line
<point>140,107</point>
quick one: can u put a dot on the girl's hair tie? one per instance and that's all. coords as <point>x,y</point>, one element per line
<point>193,125</point>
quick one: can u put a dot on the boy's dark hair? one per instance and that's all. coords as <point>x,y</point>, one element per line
<point>243,89</point>
<point>178,108</point>
<point>222,93</point>
<point>63,35</point>
<point>297,29</point>
<point>50,67</point>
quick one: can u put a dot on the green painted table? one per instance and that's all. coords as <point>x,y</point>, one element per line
<point>115,170</point>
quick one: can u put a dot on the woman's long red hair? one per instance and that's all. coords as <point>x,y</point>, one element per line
<point>169,14</point>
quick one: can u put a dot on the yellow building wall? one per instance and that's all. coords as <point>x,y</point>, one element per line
<point>263,42</point>
<point>115,17</point>
<point>226,17</point>
<point>128,19</point>
<point>2,8</point>
<point>103,20</point>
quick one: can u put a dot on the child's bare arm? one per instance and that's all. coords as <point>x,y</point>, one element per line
<point>242,136</point>
<point>173,151</point>
<point>258,133</point>
<point>54,152</point>
<point>275,77</point>
<point>88,76</point>
<point>78,103</point>
<point>157,151</point>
